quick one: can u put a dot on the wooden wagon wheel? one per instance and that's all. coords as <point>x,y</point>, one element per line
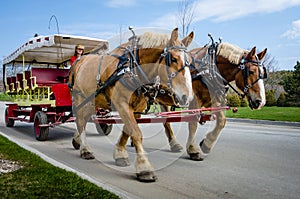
<point>41,133</point>
<point>9,122</point>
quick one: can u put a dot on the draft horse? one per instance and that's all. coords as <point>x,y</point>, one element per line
<point>123,80</point>
<point>214,67</point>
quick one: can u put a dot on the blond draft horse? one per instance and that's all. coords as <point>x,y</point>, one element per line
<point>157,59</point>
<point>233,64</point>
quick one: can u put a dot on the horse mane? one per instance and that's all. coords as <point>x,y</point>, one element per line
<point>231,52</point>
<point>150,40</point>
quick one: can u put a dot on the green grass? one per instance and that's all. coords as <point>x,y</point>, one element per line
<point>39,179</point>
<point>274,113</point>
<point>4,97</point>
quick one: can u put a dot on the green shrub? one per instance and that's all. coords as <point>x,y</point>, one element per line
<point>244,102</point>
<point>270,98</point>
<point>281,101</point>
<point>233,100</point>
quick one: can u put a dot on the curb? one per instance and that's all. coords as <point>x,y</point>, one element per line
<point>268,122</point>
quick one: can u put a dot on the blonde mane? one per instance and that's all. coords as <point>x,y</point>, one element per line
<point>150,40</point>
<point>231,52</point>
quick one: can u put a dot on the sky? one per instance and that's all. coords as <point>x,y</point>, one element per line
<point>271,24</point>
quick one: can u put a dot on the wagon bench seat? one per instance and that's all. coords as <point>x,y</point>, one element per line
<point>49,76</point>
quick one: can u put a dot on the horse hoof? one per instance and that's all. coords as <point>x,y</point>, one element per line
<point>122,162</point>
<point>196,157</point>
<point>75,144</point>
<point>176,148</point>
<point>87,155</point>
<point>203,147</point>
<point>146,176</point>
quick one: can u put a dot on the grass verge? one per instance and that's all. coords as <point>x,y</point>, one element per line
<point>273,113</point>
<point>39,179</point>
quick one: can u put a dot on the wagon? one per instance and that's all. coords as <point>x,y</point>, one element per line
<point>35,76</point>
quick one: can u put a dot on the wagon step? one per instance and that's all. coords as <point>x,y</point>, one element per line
<point>19,119</point>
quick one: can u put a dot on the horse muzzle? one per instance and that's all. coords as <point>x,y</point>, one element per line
<point>256,105</point>
<point>181,101</point>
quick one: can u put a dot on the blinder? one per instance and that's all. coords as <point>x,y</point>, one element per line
<point>246,72</point>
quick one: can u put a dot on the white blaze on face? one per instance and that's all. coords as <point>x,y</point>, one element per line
<point>188,78</point>
<point>261,90</point>
<point>188,82</point>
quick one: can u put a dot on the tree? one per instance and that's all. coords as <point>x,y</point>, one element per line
<point>186,14</point>
<point>291,84</point>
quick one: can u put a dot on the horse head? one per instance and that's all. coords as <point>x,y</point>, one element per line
<point>173,68</point>
<point>250,78</point>
<point>246,68</point>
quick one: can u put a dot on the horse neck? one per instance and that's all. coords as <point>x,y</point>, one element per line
<point>227,69</point>
<point>149,64</point>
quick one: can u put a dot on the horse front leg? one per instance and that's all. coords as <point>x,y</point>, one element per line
<point>210,139</point>
<point>144,169</point>
<point>191,147</point>
<point>174,144</point>
<point>120,154</point>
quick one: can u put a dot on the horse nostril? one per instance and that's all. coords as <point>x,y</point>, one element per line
<point>184,99</point>
<point>258,102</point>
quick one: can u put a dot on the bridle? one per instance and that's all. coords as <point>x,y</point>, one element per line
<point>246,72</point>
<point>167,57</point>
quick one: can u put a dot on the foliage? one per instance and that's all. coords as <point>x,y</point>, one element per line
<point>281,101</point>
<point>244,102</point>
<point>39,179</point>
<point>291,84</point>
<point>4,97</point>
<point>273,113</point>
<point>270,98</point>
<point>233,100</point>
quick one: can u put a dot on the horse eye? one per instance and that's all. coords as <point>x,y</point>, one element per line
<point>173,60</point>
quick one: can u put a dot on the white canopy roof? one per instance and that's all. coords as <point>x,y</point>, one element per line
<point>53,49</point>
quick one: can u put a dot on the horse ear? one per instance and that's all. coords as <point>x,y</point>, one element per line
<point>188,39</point>
<point>174,36</point>
<point>252,52</point>
<point>262,54</point>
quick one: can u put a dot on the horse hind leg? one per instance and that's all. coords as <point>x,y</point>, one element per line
<point>79,140</point>
<point>120,154</point>
<point>210,139</point>
<point>174,144</point>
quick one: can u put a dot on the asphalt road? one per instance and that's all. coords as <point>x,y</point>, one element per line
<point>250,160</point>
